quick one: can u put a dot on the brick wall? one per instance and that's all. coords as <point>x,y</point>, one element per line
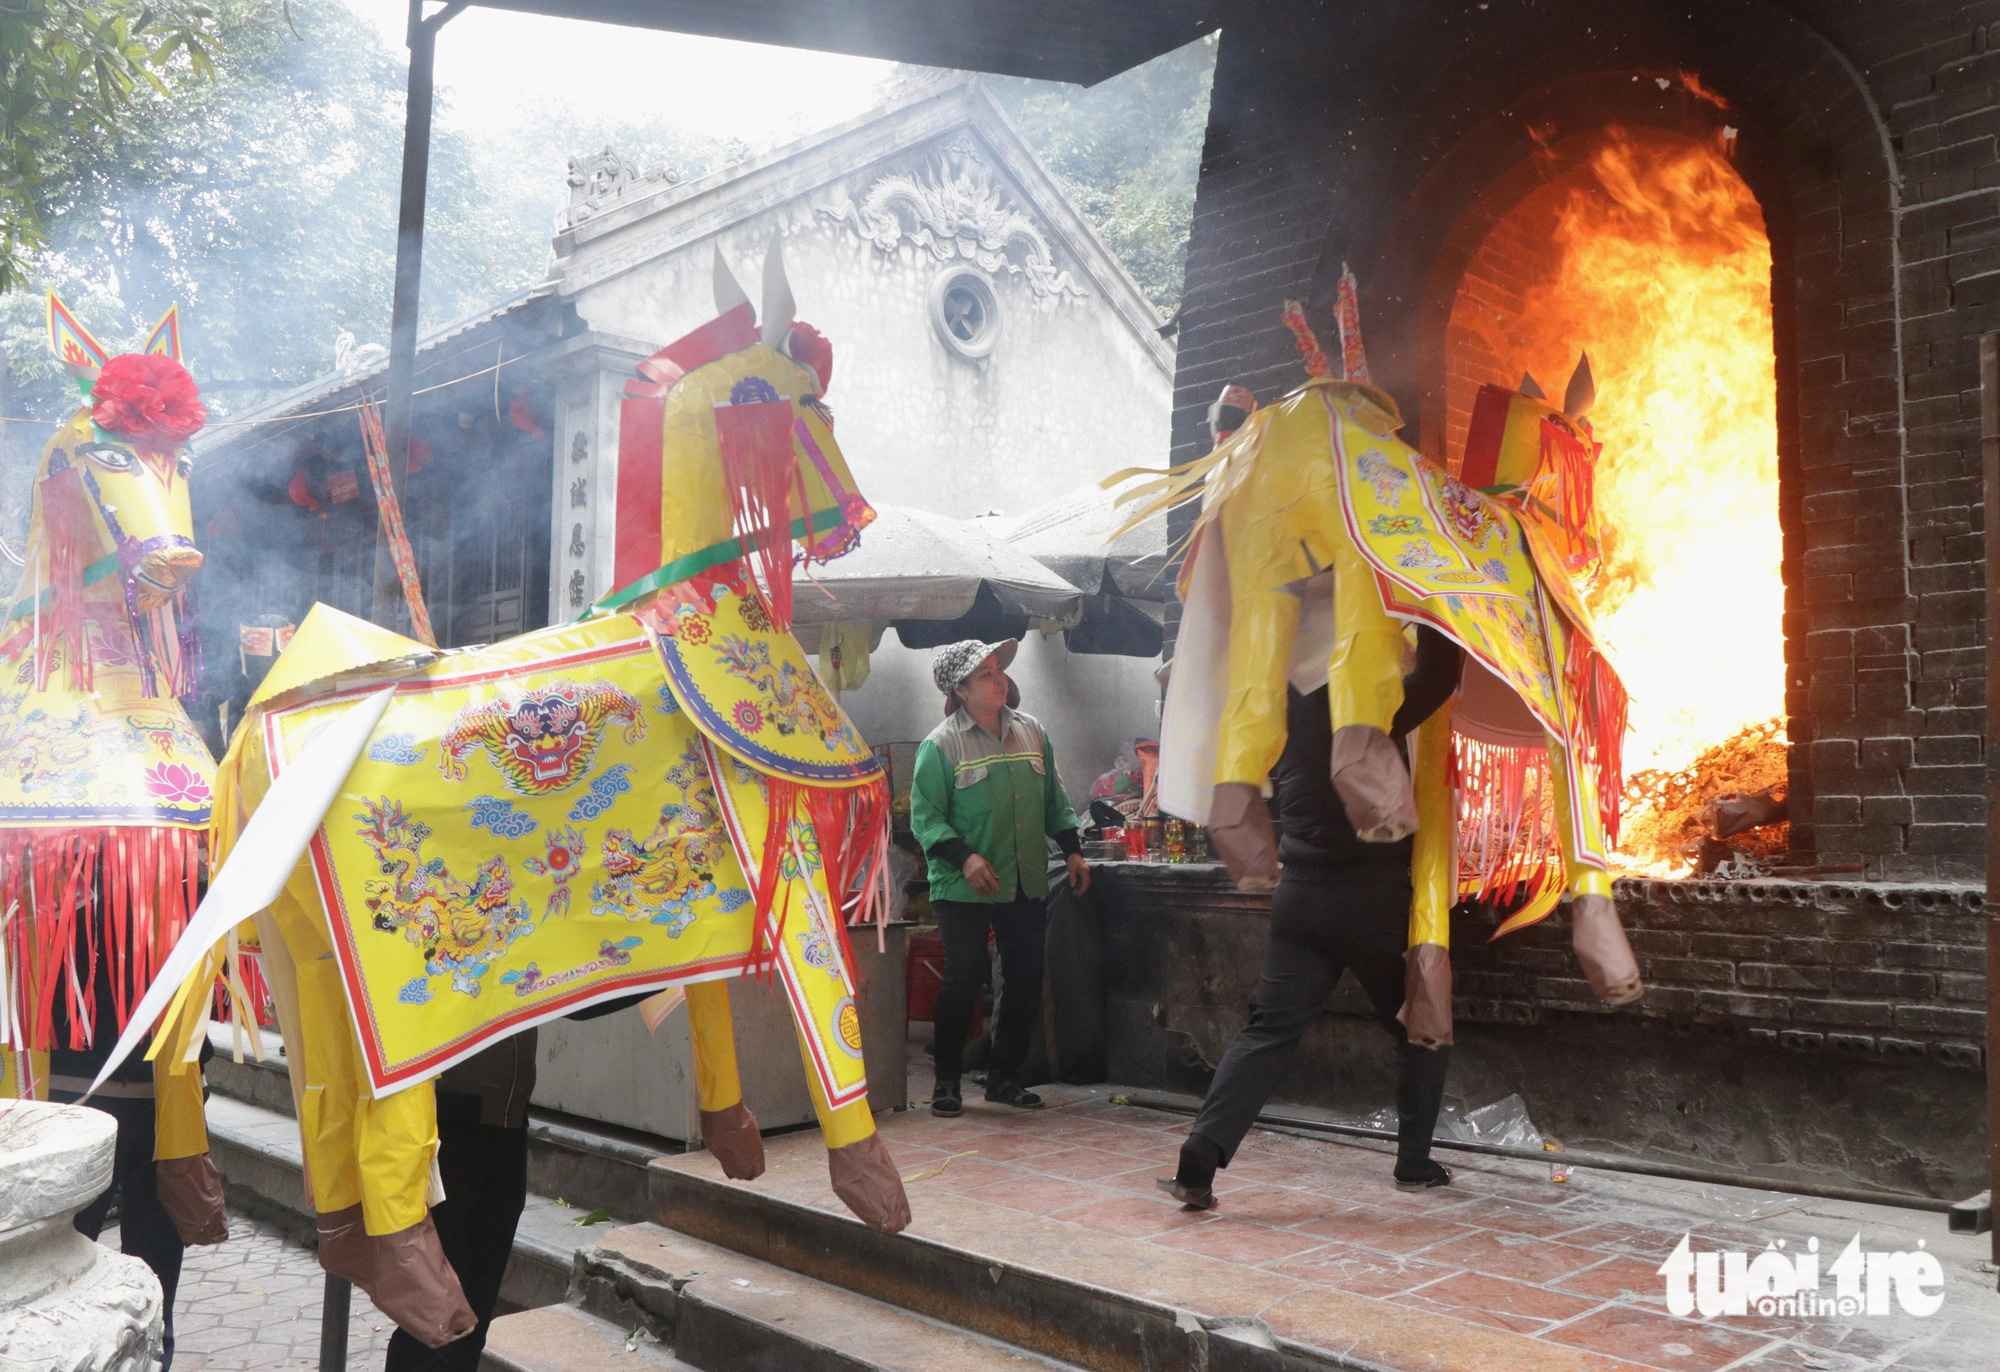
<point>1896,973</point>
<point>1787,1030</point>
<point>1871,135</point>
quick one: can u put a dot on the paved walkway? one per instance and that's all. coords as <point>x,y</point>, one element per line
<point>1311,1236</point>
<point>253,1304</point>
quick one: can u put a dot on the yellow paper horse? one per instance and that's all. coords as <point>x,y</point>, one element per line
<point>104,785</point>
<point>1313,509</point>
<point>661,795</point>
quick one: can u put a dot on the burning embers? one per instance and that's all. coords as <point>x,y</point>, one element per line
<point>1653,257</point>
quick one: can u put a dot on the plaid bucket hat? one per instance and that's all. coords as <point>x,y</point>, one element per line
<point>955,662</point>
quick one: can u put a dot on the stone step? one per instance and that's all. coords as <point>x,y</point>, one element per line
<point>721,1311</point>
<point>1089,1296</point>
<point>562,1338</point>
<point>263,1174</point>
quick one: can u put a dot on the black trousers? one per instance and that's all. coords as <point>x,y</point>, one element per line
<point>144,1229</point>
<point>1355,916</point>
<point>1020,928</point>
<point>485,1172</point>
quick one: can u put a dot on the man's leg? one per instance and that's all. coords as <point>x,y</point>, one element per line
<point>1297,976</point>
<point>485,1172</point>
<point>962,925</point>
<point>1021,930</point>
<point>145,1231</point>
<point>1372,942</point>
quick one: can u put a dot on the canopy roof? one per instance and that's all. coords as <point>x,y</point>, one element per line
<point>1053,40</point>
<point>915,565</point>
<point>1071,536</point>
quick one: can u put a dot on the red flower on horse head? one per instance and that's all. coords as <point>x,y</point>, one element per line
<point>148,399</point>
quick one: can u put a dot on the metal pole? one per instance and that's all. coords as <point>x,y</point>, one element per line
<point>389,608</point>
<point>333,1308</point>
<point>1989,454</point>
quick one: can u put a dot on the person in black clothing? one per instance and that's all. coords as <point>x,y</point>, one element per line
<point>482,1118</point>
<point>482,1115</point>
<point>146,1230</point>
<point>1340,903</point>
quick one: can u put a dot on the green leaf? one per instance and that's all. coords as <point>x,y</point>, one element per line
<point>597,1216</point>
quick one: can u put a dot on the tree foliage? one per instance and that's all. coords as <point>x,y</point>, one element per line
<point>70,71</point>
<point>265,200</point>
<point>1128,152</point>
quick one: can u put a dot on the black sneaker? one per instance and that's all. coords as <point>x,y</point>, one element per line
<point>945,1100</point>
<point>1012,1093</point>
<point>1422,1176</point>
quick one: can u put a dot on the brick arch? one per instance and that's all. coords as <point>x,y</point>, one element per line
<point>1815,151</point>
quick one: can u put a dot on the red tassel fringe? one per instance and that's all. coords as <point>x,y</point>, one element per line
<point>1605,711</point>
<point>263,1010</point>
<point>146,885</point>
<point>758,469</point>
<point>66,524</point>
<point>851,824</point>
<point>1575,467</point>
<point>1506,819</point>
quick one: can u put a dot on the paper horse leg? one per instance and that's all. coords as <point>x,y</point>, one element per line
<point>1595,932</point>
<point>368,1161</point>
<point>728,1129</point>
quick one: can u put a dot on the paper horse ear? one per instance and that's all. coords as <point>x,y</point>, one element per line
<point>1582,392</point>
<point>165,339</point>
<point>1531,388</point>
<point>728,291</point>
<point>779,307</point>
<point>72,344</point>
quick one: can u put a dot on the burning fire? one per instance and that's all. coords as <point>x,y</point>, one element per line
<point>1664,276</point>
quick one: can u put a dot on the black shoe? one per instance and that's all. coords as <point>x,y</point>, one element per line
<point>1421,1176</point>
<point>1011,1093</point>
<point>1194,1184</point>
<point>945,1100</point>
<point>1194,1198</point>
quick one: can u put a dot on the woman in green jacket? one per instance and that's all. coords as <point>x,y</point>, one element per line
<point>984,802</point>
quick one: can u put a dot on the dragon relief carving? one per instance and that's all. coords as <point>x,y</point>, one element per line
<point>955,211</point>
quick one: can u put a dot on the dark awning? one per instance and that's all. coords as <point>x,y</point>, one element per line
<point>1052,40</point>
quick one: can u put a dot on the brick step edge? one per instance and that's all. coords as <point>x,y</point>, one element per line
<point>1043,1313</point>
<point>562,1338</point>
<point>722,1313</point>
<point>263,1176</point>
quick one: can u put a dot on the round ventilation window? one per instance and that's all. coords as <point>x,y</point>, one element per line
<point>963,310</point>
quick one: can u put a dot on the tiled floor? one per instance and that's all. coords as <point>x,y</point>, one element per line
<point>1574,1264</point>
<point>253,1303</point>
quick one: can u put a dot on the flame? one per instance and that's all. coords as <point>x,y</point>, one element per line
<point>1664,276</point>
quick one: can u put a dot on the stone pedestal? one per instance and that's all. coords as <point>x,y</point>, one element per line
<point>66,1304</point>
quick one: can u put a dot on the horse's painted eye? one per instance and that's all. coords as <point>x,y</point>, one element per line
<point>185,466</point>
<point>106,456</point>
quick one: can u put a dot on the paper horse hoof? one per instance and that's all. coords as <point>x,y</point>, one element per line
<point>1239,829</point>
<point>404,1273</point>
<point>1426,1012</point>
<point>1373,782</point>
<point>190,1191</point>
<point>1601,947</point>
<point>865,1177</point>
<point>731,1134</point>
